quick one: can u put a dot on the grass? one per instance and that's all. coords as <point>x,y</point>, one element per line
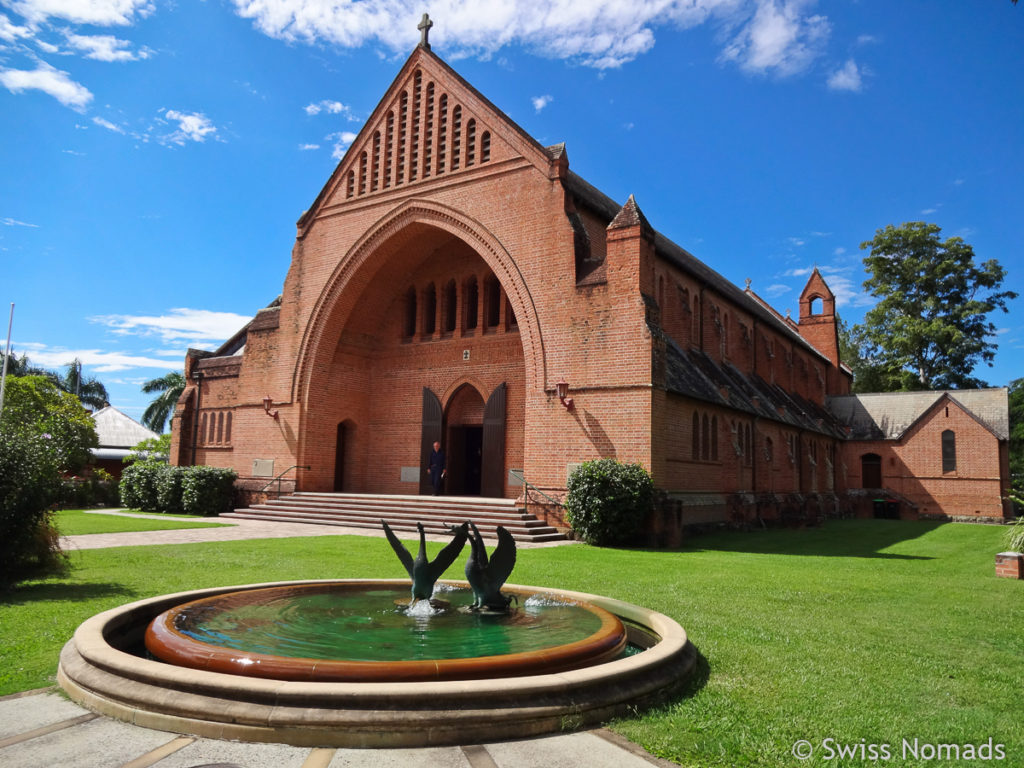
<point>864,630</point>
<point>74,522</point>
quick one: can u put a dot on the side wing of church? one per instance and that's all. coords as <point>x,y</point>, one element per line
<point>452,275</point>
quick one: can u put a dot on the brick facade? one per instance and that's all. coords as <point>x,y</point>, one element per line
<point>450,257</point>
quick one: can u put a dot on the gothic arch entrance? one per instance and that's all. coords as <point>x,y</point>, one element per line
<point>465,433</point>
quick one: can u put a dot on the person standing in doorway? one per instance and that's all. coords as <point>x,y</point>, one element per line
<point>437,468</point>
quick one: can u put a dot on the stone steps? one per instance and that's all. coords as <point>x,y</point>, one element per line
<point>402,513</point>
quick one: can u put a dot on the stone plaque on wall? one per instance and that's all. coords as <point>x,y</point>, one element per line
<point>262,467</point>
<point>410,474</point>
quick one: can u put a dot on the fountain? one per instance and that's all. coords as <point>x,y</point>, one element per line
<point>354,663</point>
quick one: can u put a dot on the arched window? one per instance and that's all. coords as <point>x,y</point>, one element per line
<point>350,188</point>
<point>410,313</point>
<point>695,437</point>
<point>695,330</point>
<point>417,98</point>
<point>456,136</point>
<point>220,427</point>
<point>403,127</point>
<point>948,451</point>
<point>375,164</point>
<point>816,305</point>
<point>389,148</point>
<point>202,429</point>
<point>429,310</point>
<point>485,147</point>
<point>227,429</point>
<point>871,470</point>
<point>492,302</point>
<point>714,438</point>
<point>470,142</point>
<point>428,127</point>
<point>213,428</point>
<point>448,307</point>
<point>472,304</point>
<point>442,132</point>
<point>769,450</point>
<point>362,173</point>
<point>705,442</point>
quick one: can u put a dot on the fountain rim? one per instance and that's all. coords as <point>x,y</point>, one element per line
<point>170,645</point>
<point>153,694</point>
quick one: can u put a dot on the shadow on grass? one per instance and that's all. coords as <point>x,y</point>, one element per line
<point>31,593</point>
<point>836,538</point>
<point>694,684</point>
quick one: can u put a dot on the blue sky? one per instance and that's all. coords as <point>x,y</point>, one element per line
<point>155,156</point>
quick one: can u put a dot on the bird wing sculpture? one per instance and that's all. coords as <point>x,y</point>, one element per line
<point>503,559</point>
<point>399,547</point>
<point>486,577</point>
<point>424,573</point>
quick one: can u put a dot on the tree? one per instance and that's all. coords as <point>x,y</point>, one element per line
<point>869,374</point>
<point>170,388</point>
<point>930,328</point>
<point>88,389</point>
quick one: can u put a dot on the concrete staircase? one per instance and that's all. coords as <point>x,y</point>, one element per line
<point>402,513</point>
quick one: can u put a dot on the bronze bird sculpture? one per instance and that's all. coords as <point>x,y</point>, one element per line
<point>423,572</point>
<point>486,576</point>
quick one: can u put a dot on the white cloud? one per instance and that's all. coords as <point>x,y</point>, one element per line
<point>108,125</point>
<point>341,140</point>
<point>8,222</point>
<point>764,34</point>
<point>841,281</point>
<point>776,289</point>
<point>105,47</point>
<point>779,38</point>
<point>307,147</point>
<point>846,78</point>
<point>929,211</point>
<point>9,31</point>
<point>48,80</point>
<point>796,242</point>
<point>192,126</point>
<point>539,102</point>
<point>189,325</point>
<point>839,251</point>
<point>73,152</point>
<point>101,13</point>
<point>96,359</point>
<point>330,107</point>
<point>866,39</point>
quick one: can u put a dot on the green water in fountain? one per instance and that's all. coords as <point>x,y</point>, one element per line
<point>366,625</point>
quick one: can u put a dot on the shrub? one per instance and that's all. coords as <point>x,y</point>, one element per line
<point>167,488</point>
<point>1015,536</point>
<point>138,486</point>
<point>29,483</point>
<point>207,491</point>
<point>608,501</point>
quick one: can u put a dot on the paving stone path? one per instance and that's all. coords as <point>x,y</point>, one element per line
<point>44,730</point>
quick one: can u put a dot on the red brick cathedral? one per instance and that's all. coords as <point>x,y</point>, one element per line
<point>455,282</point>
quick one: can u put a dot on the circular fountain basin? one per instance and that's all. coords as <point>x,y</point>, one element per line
<point>104,668</point>
<point>352,632</point>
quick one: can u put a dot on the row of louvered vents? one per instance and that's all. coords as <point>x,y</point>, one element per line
<point>422,135</point>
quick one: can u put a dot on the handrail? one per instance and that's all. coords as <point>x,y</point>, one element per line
<point>278,478</point>
<point>526,496</point>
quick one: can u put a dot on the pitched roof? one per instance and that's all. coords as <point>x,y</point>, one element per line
<point>888,415</point>
<point>608,209</point>
<point>117,430</point>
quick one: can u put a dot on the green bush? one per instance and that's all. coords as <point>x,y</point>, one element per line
<point>207,491</point>
<point>608,501</point>
<point>167,488</point>
<point>1015,536</point>
<point>29,484</point>
<point>138,486</point>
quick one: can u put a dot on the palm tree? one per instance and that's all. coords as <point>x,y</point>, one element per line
<point>89,390</point>
<point>170,388</point>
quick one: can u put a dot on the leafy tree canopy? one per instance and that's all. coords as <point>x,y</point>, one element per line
<point>35,404</point>
<point>152,449</point>
<point>88,389</point>
<point>930,327</point>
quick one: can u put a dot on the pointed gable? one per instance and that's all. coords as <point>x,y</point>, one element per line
<point>430,124</point>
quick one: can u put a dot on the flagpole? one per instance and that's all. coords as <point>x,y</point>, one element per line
<point>7,356</point>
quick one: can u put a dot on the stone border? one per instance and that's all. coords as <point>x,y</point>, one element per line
<point>97,674</point>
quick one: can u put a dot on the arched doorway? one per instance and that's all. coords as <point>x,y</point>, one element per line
<point>465,438</point>
<point>344,441</point>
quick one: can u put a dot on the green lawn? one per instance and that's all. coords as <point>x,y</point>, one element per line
<point>73,522</point>
<point>864,632</point>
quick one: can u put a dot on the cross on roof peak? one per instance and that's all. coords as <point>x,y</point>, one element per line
<point>424,28</point>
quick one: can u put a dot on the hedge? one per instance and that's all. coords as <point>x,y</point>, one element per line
<point>154,487</point>
<point>608,501</point>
